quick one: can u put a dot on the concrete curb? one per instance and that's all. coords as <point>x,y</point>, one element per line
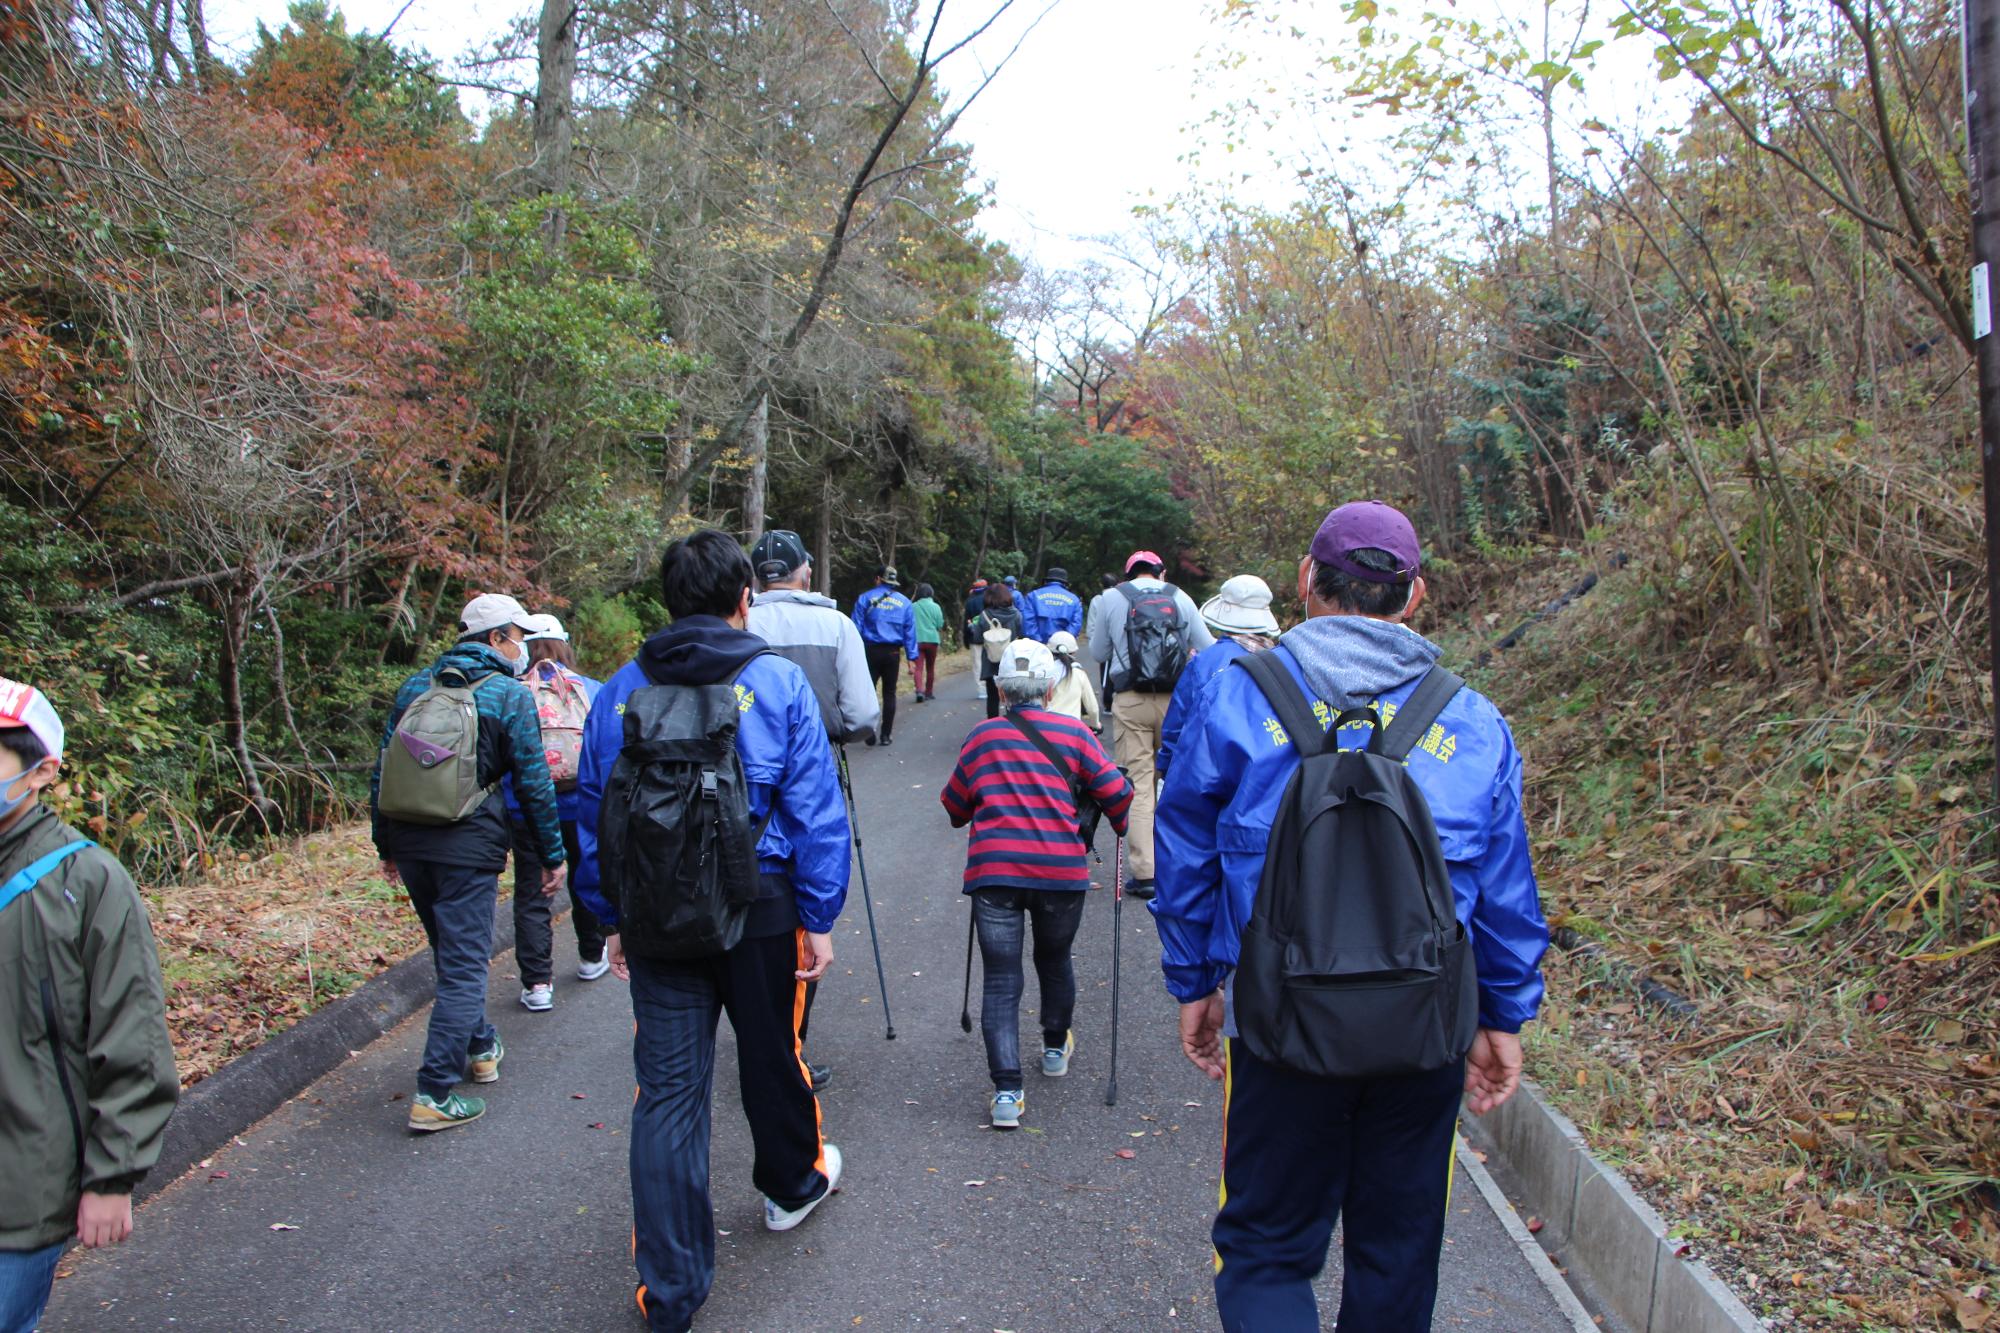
<point>1517,1231</point>
<point>259,1081</point>
<point>1603,1228</point>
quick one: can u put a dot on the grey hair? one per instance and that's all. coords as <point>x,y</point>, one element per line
<point>798,575</point>
<point>1018,690</point>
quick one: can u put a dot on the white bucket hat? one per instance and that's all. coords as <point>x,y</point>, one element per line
<point>1242,607</point>
<point>545,627</point>
<point>1025,659</point>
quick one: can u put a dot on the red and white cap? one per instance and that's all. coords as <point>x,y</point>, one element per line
<point>25,706</point>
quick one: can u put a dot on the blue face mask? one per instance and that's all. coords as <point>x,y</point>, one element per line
<point>9,804</point>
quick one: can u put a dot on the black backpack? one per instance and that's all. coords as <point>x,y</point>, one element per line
<point>1354,964</point>
<point>677,850</point>
<point>1156,636</point>
<point>1088,812</point>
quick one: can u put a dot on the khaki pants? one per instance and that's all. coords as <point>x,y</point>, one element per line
<point>1139,717</point>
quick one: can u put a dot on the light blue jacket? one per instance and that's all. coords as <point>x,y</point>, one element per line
<point>1213,828</point>
<point>883,615</point>
<point>1051,608</point>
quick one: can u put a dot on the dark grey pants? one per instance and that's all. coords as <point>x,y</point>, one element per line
<point>456,907</point>
<point>997,916</point>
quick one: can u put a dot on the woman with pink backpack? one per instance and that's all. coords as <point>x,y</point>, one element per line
<point>563,696</point>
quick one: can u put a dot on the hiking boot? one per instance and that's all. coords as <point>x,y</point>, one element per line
<point>590,970</point>
<point>429,1114</point>
<point>888,740</point>
<point>821,1075</point>
<point>779,1218</point>
<point>1142,889</point>
<point>871,742</point>
<point>540,997</point>
<point>1007,1107</point>
<point>1055,1059</point>
<point>486,1063</point>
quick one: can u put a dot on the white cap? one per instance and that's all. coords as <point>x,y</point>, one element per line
<point>1242,607</point>
<point>490,611</point>
<point>25,706</point>
<point>1062,641</point>
<point>545,627</point>
<point>1025,659</point>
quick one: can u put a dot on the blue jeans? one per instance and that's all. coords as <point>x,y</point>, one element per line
<point>25,1279</point>
<point>997,913</point>
<point>1305,1151</point>
<point>456,907</point>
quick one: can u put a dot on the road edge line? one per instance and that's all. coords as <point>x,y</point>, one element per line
<point>1537,1258</point>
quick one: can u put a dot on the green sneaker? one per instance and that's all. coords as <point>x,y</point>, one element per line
<point>429,1114</point>
<point>486,1063</point>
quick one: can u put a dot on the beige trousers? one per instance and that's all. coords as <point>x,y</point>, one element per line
<point>1139,717</point>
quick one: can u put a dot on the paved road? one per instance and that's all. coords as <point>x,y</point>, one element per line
<point>523,1219</point>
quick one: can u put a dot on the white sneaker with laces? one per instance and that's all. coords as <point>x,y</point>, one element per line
<point>777,1218</point>
<point>539,998</point>
<point>589,971</point>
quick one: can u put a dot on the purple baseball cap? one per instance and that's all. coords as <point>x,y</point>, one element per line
<point>1363,525</point>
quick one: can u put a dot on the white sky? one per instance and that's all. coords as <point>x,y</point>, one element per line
<point>1090,119</point>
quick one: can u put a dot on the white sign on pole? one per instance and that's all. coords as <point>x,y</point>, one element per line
<point>1982,302</point>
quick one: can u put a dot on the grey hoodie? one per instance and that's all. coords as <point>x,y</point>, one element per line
<point>810,630</point>
<point>1351,660</point>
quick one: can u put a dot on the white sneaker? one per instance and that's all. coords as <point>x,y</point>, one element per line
<point>589,971</point>
<point>539,998</point>
<point>784,1219</point>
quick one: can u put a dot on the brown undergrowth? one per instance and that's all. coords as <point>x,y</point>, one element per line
<point>255,945</point>
<point>1806,867</point>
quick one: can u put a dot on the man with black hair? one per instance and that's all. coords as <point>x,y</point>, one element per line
<point>1306,1150</point>
<point>802,858</point>
<point>889,633</point>
<point>450,863</point>
<point>87,1080</point>
<point>1052,608</point>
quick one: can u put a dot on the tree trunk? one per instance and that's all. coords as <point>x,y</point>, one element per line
<point>985,528</point>
<point>823,548</point>
<point>234,603</point>
<point>554,127</point>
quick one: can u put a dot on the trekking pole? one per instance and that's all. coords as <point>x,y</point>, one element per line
<point>1117,940</point>
<point>867,899</point>
<point>965,1004</point>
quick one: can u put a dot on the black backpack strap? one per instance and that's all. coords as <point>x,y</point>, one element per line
<point>1415,717</point>
<point>1048,749</point>
<point>1294,709</point>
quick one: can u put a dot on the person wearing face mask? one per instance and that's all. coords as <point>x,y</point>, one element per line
<point>87,1081</point>
<point>442,831</point>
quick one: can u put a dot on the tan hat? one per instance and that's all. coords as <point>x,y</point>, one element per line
<point>1242,607</point>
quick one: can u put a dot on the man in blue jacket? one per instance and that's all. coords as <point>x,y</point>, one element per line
<point>802,855</point>
<point>452,871</point>
<point>1304,1151</point>
<point>1239,616</point>
<point>1052,608</point>
<point>888,635</point>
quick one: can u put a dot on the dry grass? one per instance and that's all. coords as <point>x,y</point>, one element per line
<point>1804,868</point>
<point>255,945</point>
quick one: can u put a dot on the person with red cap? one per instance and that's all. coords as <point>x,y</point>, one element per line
<point>1366,1144</point>
<point>1144,632</point>
<point>87,1081</point>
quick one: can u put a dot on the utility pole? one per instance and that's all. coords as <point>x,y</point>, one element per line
<point>1981,52</point>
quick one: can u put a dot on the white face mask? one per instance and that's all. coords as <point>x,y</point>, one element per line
<point>518,664</point>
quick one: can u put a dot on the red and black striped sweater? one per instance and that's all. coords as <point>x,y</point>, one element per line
<point>1022,815</point>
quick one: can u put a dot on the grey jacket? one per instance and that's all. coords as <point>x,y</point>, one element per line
<point>1107,625</point>
<point>810,630</point>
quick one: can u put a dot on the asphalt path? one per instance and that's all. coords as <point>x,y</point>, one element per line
<point>331,1215</point>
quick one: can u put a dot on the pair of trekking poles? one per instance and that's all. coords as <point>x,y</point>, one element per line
<point>1117,940</point>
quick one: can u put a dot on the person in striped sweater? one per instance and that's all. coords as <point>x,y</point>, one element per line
<point>1017,783</point>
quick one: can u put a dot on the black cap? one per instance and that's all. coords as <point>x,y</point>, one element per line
<point>777,553</point>
<point>1059,575</point>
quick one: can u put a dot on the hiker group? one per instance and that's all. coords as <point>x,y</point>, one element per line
<point>1327,824</point>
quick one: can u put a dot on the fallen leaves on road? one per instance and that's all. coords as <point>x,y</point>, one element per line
<point>284,1226</point>
<point>1125,1153</point>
